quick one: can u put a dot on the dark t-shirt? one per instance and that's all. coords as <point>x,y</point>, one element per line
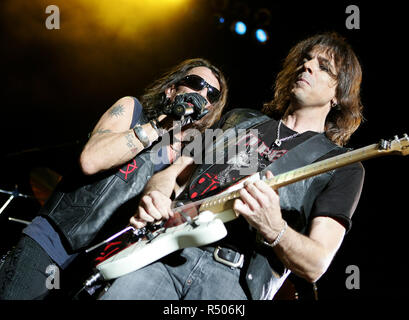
<point>338,200</point>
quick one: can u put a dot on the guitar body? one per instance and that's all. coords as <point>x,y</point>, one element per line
<point>207,229</point>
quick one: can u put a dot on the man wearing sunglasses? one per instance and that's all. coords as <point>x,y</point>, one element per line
<point>115,164</point>
<point>297,229</point>
<point>197,83</point>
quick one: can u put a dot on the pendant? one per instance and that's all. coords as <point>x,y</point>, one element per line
<point>277,142</point>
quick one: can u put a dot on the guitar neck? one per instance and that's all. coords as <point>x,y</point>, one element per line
<point>225,201</point>
<point>326,165</point>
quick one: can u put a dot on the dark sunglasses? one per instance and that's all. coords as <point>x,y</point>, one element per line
<point>197,83</point>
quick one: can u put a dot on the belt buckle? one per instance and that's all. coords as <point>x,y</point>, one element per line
<point>227,262</point>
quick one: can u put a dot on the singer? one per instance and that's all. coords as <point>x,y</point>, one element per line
<point>114,167</point>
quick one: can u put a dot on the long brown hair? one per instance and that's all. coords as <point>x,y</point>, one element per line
<point>345,118</point>
<point>154,95</point>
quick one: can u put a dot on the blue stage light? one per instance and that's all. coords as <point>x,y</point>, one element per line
<point>240,27</point>
<point>261,35</point>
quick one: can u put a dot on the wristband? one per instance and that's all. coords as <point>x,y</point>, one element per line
<point>159,131</point>
<point>277,240</point>
<point>142,136</point>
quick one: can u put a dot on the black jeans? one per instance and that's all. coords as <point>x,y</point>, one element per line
<point>23,274</point>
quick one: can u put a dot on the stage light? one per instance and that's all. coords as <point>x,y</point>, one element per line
<point>134,19</point>
<point>218,19</point>
<point>240,27</point>
<point>261,35</point>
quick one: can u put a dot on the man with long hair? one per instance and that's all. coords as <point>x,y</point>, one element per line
<point>115,165</point>
<point>297,229</point>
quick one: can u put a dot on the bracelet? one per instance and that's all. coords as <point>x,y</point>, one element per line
<point>159,131</point>
<point>142,136</point>
<point>153,124</point>
<point>277,240</point>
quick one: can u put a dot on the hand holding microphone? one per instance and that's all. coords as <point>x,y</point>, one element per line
<point>187,104</point>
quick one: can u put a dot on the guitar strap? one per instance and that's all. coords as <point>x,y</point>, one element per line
<point>303,154</point>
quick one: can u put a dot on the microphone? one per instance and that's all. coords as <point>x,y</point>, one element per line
<point>187,104</point>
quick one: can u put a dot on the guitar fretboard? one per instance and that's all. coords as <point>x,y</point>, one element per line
<point>224,201</point>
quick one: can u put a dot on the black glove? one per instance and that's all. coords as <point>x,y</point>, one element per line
<point>188,104</point>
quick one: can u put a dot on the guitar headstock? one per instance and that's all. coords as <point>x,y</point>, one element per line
<point>397,145</point>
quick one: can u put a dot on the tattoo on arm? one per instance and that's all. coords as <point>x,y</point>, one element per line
<point>101,131</point>
<point>117,111</point>
<point>131,145</point>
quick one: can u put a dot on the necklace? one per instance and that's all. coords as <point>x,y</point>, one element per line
<point>278,141</point>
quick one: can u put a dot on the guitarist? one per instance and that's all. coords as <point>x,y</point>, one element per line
<point>115,164</point>
<point>297,229</point>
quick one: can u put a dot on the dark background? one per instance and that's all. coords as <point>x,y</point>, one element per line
<point>57,83</point>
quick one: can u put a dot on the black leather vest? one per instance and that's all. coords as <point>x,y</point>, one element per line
<point>81,205</point>
<point>265,273</point>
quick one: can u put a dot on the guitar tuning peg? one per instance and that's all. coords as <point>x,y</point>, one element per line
<point>396,138</point>
<point>384,145</point>
<point>405,135</point>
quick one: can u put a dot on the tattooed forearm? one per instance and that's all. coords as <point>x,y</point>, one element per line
<point>116,111</point>
<point>129,142</point>
<point>100,131</point>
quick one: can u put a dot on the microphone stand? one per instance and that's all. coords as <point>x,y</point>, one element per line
<point>13,194</point>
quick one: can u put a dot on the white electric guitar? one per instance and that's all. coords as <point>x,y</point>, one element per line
<point>211,213</point>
